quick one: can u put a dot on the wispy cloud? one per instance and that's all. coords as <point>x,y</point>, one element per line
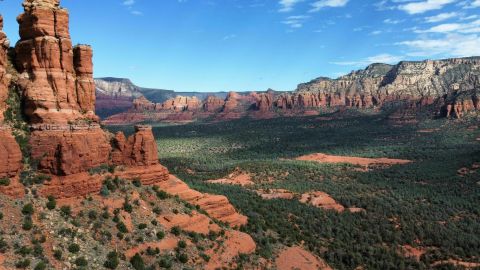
<point>129,2</point>
<point>424,6</point>
<point>450,45</point>
<point>295,21</point>
<point>380,58</point>
<point>464,28</point>
<point>288,5</point>
<point>441,17</point>
<point>318,5</point>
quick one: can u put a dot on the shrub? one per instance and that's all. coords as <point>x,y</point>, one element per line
<point>162,195</point>
<point>81,261</point>
<point>40,266</point>
<point>137,182</point>
<point>4,182</point>
<point>137,262</point>
<point>27,224</point>
<point>182,257</point>
<point>74,248</point>
<point>205,257</point>
<point>122,227</point>
<point>1,215</point>
<point>176,230</point>
<point>27,209</point>
<point>3,245</point>
<point>142,226</point>
<point>165,262</point>
<point>182,244</point>
<point>57,254</point>
<point>52,203</point>
<point>112,261</point>
<point>92,214</point>
<point>23,263</point>
<point>127,206</point>
<point>160,235</point>
<point>66,211</point>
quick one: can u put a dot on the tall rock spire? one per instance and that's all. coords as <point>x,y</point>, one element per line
<point>56,78</point>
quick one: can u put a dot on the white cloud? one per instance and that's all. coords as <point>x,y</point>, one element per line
<point>441,17</point>
<point>473,4</point>
<point>380,58</point>
<point>128,2</point>
<point>318,5</point>
<point>424,6</point>
<point>451,45</point>
<point>471,27</point>
<point>391,21</point>
<point>288,5</point>
<point>295,21</point>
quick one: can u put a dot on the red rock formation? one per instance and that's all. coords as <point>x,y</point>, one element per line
<point>216,206</point>
<point>142,104</point>
<point>69,149</point>
<point>231,102</point>
<point>4,77</point>
<point>11,156</point>
<point>213,104</point>
<point>180,104</point>
<point>52,73</point>
<point>264,102</point>
<point>140,156</point>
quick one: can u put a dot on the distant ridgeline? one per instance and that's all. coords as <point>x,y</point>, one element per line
<point>444,88</point>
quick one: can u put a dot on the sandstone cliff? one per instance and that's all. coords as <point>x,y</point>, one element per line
<point>449,88</point>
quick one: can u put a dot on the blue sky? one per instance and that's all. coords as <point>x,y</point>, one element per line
<point>244,45</point>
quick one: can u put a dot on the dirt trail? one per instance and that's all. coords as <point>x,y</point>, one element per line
<point>165,244</point>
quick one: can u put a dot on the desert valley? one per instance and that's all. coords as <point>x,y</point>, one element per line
<point>376,169</point>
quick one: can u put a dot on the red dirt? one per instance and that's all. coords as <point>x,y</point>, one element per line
<point>428,130</point>
<point>270,194</point>
<point>365,162</point>
<point>195,222</point>
<point>235,178</point>
<point>165,244</point>
<point>236,243</point>
<point>414,252</point>
<point>297,258</point>
<point>321,200</point>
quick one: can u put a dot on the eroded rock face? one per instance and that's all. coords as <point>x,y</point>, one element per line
<point>11,156</point>
<point>66,149</point>
<point>140,149</point>
<point>56,78</point>
<point>213,104</point>
<point>4,77</point>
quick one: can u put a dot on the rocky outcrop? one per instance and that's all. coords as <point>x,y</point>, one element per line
<point>56,78</point>
<point>69,149</point>
<point>11,156</point>
<point>4,77</point>
<point>180,104</point>
<point>213,104</point>
<point>217,206</point>
<point>139,155</point>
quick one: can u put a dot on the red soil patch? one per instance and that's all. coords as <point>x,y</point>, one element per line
<point>195,222</point>
<point>270,194</point>
<point>297,258</point>
<point>414,252</point>
<point>217,206</point>
<point>365,162</point>
<point>321,200</point>
<point>235,178</point>
<point>457,263</point>
<point>165,244</point>
<point>356,210</point>
<point>235,243</point>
